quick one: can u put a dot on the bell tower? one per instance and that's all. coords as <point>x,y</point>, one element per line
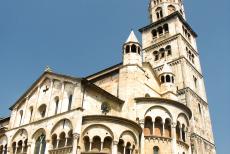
<point>170,39</point>
<point>161,8</point>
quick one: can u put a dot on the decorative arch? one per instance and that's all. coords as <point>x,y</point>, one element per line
<point>128,133</point>
<point>93,126</point>
<point>63,124</point>
<point>38,133</point>
<point>19,135</point>
<point>182,115</point>
<point>159,107</point>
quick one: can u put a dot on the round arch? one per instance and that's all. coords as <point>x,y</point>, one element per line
<point>129,133</point>
<point>159,107</point>
<point>183,116</point>
<point>65,122</point>
<point>23,134</point>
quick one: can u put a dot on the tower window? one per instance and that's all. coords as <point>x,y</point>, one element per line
<point>199,107</point>
<point>42,110</point>
<point>168,49</point>
<point>139,50</point>
<point>167,78</point>
<point>162,79</point>
<point>127,49</point>
<point>70,102</point>
<point>195,81</point>
<point>154,33</point>
<point>166,28</point>
<point>21,115</point>
<point>133,48</point>
<point>159,13</point>
<point>160,30</point>
<point>56,104</point>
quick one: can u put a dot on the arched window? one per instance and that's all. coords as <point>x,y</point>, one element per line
<point>167,127</point>
<point>19,148</point>
<point>154,33</point>
<point>96,145</point>
<point>156,150</point>
<point>62,140</point>
<point>127,49</point>
<point>166,28</point>
<point>25,145</point>
<point>148,130</point>
<point>21,116</point>
<point>56,104</point>
<point>178,131</point>
<point>158,126</point>
<point>160,30</point>
<point>31,113</point>
<point>168,49</point>
<point>40,145</point>
<point>133,48</point>
<point>121,147</point>
<point>70,138</point>
<point>159,13</point>
<point>147,95</point>
<point>128,148</point>
<point>155,53</point>
<point>107,145</point>
<point>171,9</point>
<point>14,147</point>
<point>86,143</point>
<point>70,102</point>
<point>162,79</point>
<point>54,141</point>
<point>168,78</point>
<point>42,110</point>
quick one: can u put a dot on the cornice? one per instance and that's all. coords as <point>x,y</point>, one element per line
<point>175,14</point>
<point>182,91</point>
<point>166,101</point>
<point>113,119</point>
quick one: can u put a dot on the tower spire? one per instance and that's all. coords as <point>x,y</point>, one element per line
<point>132,38</point>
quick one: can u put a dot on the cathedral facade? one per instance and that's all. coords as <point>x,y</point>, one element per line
<point>153,102</point>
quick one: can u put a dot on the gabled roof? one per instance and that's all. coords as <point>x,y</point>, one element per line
<point>82,80</point>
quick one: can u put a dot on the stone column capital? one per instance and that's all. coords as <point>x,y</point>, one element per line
<point>115,142</point>
<point>76,136</point>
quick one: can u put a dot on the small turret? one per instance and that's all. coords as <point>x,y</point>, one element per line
<point>132,53</point>
<point>167,80</point>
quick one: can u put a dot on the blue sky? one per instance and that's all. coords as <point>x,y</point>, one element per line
<point>80,37</point>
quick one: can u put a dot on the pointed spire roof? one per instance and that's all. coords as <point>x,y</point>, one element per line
<point>132,38</point>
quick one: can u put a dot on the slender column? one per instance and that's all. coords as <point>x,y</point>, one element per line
<point>142,147</point>
<point>124,150</point>
<point>181,138</point>
<point>90,146</point>
<point>174,144</point>
<point>115,148</point>
<point>130,151</point>
<point>16,148</point>
<point>48,146</point>
<point>29,147</point>
<point>153,128</point>
<point>3,150</point>
<point>163,127</point>
<point>66,141</point>
<point>75,143</point>
<point>101,146</point>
